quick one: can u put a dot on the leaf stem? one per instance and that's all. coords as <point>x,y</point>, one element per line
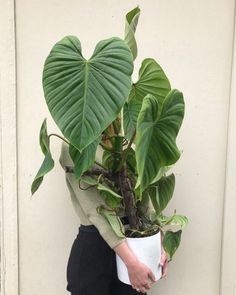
<point>54,134</point>
<point>99,164</point>
<point>115,127</point>
<point>125,153</point>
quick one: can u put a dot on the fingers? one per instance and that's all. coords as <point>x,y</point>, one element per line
<point>152,276</point>
<point>142,289</point>
<point>164,263</point>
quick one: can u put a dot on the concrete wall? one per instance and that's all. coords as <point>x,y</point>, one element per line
<point>193,42</point>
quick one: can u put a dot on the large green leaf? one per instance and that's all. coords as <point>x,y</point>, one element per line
<point>161,192</point>
<point>171,242</point>
<point>157,130</point>
<point>48,162</point>
<point>152,80</point>
<point>85,96</point>
<point>113,220</point>
<point>85,159</point>
<point>131,22</point>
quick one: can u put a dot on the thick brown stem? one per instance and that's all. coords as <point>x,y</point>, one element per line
<point>128,198</point>
<point>124,186</point>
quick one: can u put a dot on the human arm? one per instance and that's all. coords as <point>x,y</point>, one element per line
<point>141,276</point>
<point>87,201</point>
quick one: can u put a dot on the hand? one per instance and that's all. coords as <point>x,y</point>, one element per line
<point>163,262</point>
<point>141,276</point>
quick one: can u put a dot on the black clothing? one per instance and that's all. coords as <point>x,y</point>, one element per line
<point>91,268</point>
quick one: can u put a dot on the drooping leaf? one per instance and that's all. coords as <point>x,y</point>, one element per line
<point>91,180</point>
<point>47,165</point>
<point>113,220</point>
<point>85,96</point>
<point>157,130</point>
<point>177,219</point>
<point>171,242</point>
<point>131,22</point>
<point>161,192</point>
<point>152,80</point>
<point>85,159</point>
<point>111,198</point>
<point>48,162</point>
<point>43,137</point>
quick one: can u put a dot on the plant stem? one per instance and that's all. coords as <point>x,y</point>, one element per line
<point>106,147</point>
<point>99,164</point>
<point>115,128</point>
<point>92,171</point>
<point>129,198</point>
<point>54,134</point>
<point>125,153</point>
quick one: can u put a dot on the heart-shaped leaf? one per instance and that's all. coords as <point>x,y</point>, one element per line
<point>85,96</point>
<point>171,242</point>
<point>157,130</point>
<point>152,80</point>
<point>48,162</point>
<point>131,22</point>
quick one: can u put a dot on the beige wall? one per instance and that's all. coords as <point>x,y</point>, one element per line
<point>193,41</point>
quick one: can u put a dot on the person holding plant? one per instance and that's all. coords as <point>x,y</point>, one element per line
<point>134,125</point>
<point>91,267</point>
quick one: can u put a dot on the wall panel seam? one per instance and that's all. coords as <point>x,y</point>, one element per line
<point>227,280</point>
<point>8,165</point>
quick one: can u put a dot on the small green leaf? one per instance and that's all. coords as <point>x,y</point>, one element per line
<point>43,137</point>
<point>46,166</point>
<point>176,219</point>
<point>48,162</point>
<point>85,159</point>
<point>131,22</point>
<point>171,242</point>
<point>113,220</point>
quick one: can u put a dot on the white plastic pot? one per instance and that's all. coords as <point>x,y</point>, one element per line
<point>148,250</point>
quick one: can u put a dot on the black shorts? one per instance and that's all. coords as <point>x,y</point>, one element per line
<point>91,268</point>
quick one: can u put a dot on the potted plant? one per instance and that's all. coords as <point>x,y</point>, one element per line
<point>95,104</point>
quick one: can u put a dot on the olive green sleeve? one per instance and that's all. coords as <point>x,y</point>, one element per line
<point>89,200</point>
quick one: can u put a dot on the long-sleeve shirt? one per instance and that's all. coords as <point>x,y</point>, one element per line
<point>85,202</point>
